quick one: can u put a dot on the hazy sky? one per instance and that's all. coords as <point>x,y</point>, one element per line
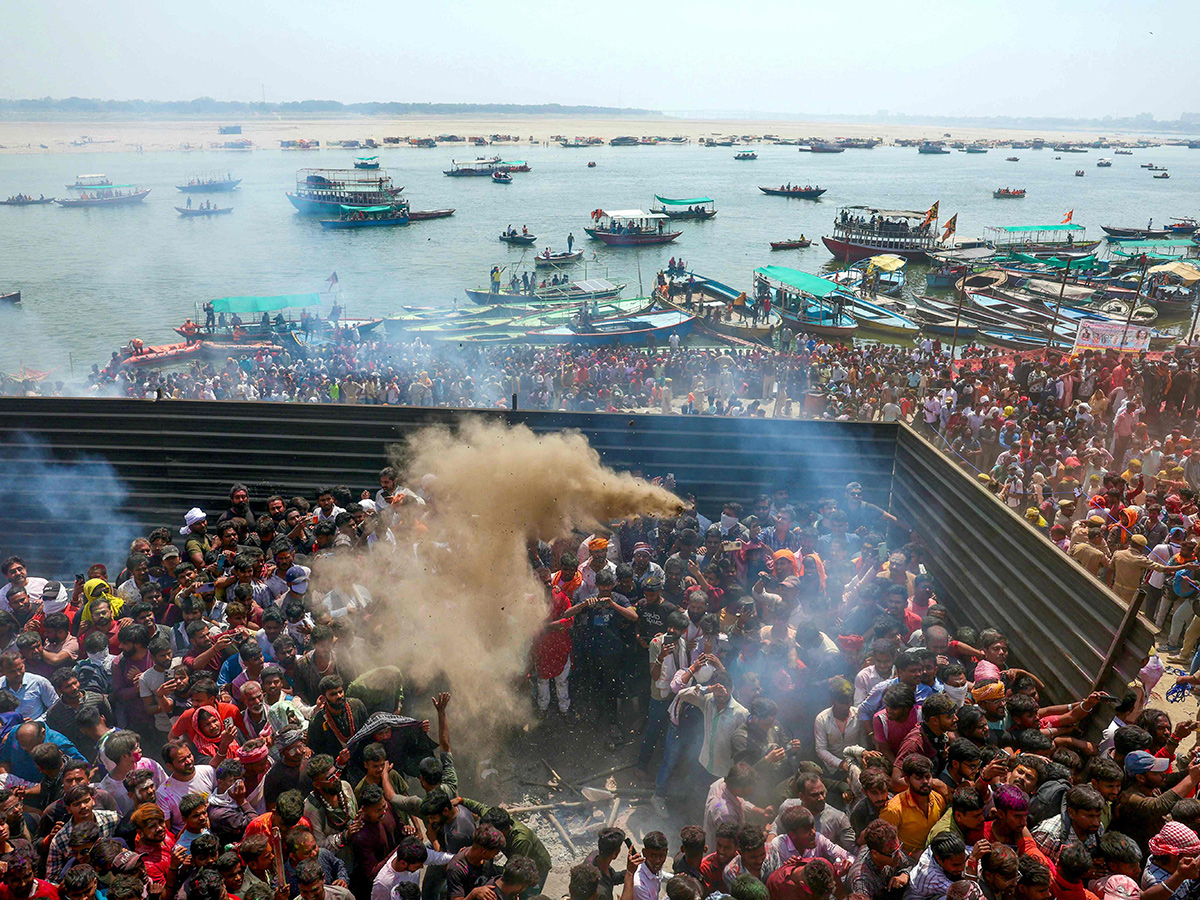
<point>973,57</point>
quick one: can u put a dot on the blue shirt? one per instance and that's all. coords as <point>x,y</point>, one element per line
<point>21,764</point>
<point>36,694</point>
<point>874,701</point>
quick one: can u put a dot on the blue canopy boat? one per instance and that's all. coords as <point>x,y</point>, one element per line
<point>368,217</point>
<point>367,162</point>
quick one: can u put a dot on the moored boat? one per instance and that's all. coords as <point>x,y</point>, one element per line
<point>137,355</point>
<point>808,192</point>
<point>562,258</point>
<point>419,215</point>
<point>863,231</point>
<point>327,190</point>
<point>630,228</point>
<point>659,326</point>
<point>806,303</point>
<point>1039,238</point>
<point>574,292</point>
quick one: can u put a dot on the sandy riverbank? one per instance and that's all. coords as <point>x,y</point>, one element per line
<point>33,136</point>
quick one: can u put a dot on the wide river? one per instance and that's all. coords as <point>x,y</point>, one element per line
<point>93,278</point>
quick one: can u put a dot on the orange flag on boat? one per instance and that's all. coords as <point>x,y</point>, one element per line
<point>1070,213</point>
<point>932,214</point>
<point>950,226</point>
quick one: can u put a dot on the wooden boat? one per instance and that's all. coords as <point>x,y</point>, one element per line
<point>591,165</point>
<point>118,199</point>
<point>747,155</point>
<point>210,184</point>
<point>486,321</point>
<point>930,149</point>
<point>1103,163</point>
<point>11,297</point>
<point>943,324</point>
<point>1079,173</point>
<point>1012,159</point>
<point>1153,168</point>
<point>630,228</point>
<point>797,193</point>
<point>982,281</point>
<point>800,300</point>
<point>626,330</point>
<point>161,355</point>
<point>39,201</point>
<point>367,162</point>
<point>698,208</point>
<point>194,213</point>
<point>1115,232</point>
<point>1123,152</point>
<point>1009,194</point>
<point>795,244</point>
<point>1183,226</point>
<point>873,317</point>
<point>1162,175</point>
<point>420,215</point>
<point>1120,309</point>
<point>712,303</point>
<point>501,178</point>
<point>476,168</point>
<point>542,260</point>
<point>353,217</point>
<point>87,182</point>
<point>523,239</point>
<point>575,292</point>
<point>863,231</point>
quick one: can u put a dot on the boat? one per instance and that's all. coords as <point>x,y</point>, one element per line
<point>491,318</point>
<point>630,228</point>
<point>873,317</point>
<point>1068,148</point>
<point>1033,239</point>
<point>211,183</point>
<point>1104,163</point>
<point>367,217</point>
<point>1123,152</point>
<point>976,148</point>
<point>574,292</point>
<point>1079,173</point>
<point>1162,175</point>
<point>325,191</point>
<point>11,297</point>
<point>826,147</point>
<point>982,281</point>
<point>794,244</point>
<point>1009,194</point>
<point>1012,159</point>
<point>109,196</point>
<point>501,178</point>
<point>624,141</point>
<point>800,299</point>
<point>420,215</point>
<point>943,324</point>
<point>591,165</point>
<point>576,144</point>
<point>1182,226</point>
<point>546,258</point>
<point>714,304</point>
<point>87,182</point>
<point>863,231</point>
<point>366,162</point>
<point>25,200</point>
<point>1126,311</point>
<point>161,355</point>
<point>1151,167</point>
<point>515,238</point>
<point>796,193</point>
<point>659,326</point>
<point>931,149</point>
<point>698,208</point>
<point>1118,233</point>
<point>199,211</point>
<point>476,168</point>
<point>885,273</point>
<point>748,154</point>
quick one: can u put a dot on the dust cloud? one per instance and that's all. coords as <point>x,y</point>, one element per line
<point>458,603</point>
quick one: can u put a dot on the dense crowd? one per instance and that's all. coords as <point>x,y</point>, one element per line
<point>194,722</point>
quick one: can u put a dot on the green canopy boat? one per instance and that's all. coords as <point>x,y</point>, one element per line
<point>700,208</point>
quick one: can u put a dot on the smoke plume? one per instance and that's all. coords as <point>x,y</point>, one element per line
<point>463,605</point>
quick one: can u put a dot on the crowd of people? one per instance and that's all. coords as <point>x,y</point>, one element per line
<point>195,721</point>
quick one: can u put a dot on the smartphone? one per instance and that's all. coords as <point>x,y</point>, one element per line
<point>629,844</point>
<point>79,579</point>
<point>670,640</point>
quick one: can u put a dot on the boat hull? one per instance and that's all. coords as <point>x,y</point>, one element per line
<point>557,260</point>
<point>347,224</point>
<point>795,195</point>
<point>12,297</point>
<point>43,202</point>
<point>633,240</point>
<point>163,355</point>
<point>421,215</point>
<point>313,207</point>
<point>199,213</point>
<point>790,245</point>
<point>659,333</point>
<point>488,298</point>
<point>800,325</point>
<point>844,250</point>
<point>127,200</point>
<point>519,239</point>
<point>210,187</point>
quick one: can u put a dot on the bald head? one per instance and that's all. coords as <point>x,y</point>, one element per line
<point>30,734</point>
<point>937,640</point>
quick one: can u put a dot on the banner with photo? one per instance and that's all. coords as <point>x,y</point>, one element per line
<point>1097,335</point>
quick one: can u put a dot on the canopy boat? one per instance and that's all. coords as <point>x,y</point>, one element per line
<point>748,154</point>
<point>801,301</point>
<point>23,200</point>
<point>1166,249</point>
<point>260,327</point>
<point>366,162</point>
<point>551,259</point>
<point>501,178</point>
<point>794,244</point>
<point>87,182</point>
<point>419,215</point>
<point>523,238</point>
<point>1009,194</point>
<point>630,228</point>
<point>117,195</point>
<point>862,231</point>
<point>212,183</point>
<point>137,355</point>
<point>576,144</point>
<point>808,192</point>
<point>368,217</point>
<point>199,211</point>
<point>575,292</point>
<point>659,326</point>
<point>1029,238</point>
<point>701,208</point>
<point>879,275</point>
<point>475,168</point>
<point>327,190</point>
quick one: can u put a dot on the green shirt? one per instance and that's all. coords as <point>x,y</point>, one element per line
<point>521,840</point>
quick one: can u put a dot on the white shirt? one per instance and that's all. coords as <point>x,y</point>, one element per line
<point>646,884</point>
<point>716,752</point>
<point>866,679</point>
<point>831,739</point>
<point>117,788</point>
<point>151,681</point>
<point>169,795</point>
<point>388,877</point>
<point>33,586</point>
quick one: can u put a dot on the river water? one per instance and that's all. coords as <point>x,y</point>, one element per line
<point>93,278</point>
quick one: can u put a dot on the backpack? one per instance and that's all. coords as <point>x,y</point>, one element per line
<point>94,676</point>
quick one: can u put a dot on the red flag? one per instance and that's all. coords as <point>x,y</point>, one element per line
<point>932,214</point>
<point>1070,213</point>
<point>950,226</point>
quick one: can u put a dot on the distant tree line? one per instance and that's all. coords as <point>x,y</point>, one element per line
<point>207,106</point>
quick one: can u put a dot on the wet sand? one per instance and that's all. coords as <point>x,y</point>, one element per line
<point>114,134</point>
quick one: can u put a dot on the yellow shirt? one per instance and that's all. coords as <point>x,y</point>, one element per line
<point>911,824</point>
